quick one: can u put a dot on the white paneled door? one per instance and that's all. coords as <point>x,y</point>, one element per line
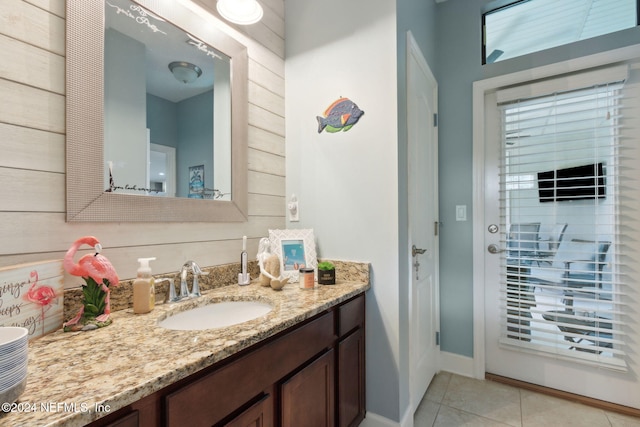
<point>422,103</point>
<point>558,299</point>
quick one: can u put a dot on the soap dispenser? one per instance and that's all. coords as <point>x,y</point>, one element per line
<point>144,293</point>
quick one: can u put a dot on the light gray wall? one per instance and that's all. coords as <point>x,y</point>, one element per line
<point>457,66</point>
<point>352,186</point>
<point>347,182</point>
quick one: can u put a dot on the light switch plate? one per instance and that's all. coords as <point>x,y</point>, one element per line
<point>461,212</point>
<point>292,206</point>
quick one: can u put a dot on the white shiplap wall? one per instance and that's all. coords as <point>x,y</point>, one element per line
<point>32,151</point>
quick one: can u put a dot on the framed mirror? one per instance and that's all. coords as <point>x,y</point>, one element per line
<point>152,89</point>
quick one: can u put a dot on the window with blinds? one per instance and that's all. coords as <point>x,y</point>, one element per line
<point>561,291</point>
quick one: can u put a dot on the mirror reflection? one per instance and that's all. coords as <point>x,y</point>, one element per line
<point>167,109</point>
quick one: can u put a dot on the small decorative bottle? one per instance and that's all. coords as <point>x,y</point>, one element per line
<point>306,278</point>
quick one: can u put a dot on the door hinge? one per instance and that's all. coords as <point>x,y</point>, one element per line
<point>435,120</point>
<point>437,337</point>
<point>436,228</point>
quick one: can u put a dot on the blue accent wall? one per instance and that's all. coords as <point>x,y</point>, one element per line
<point>195,133</point>
<point>187,126</point>
<point>457,65</point>
<point>162,121</point>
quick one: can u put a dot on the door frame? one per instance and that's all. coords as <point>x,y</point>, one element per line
<point>413,50</point>
<point>480,89</point>
<point>171,169</point>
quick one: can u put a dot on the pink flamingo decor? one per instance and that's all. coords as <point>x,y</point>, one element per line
<point>99,275</point>
<point>43,296</point>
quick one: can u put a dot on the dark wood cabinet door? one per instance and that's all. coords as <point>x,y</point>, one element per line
<point>308,398</point>
<point>351,381</point>
<point>259,414</point>
<point>211,397</point>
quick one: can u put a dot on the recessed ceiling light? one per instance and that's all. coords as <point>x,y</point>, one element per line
<point>243,12</point>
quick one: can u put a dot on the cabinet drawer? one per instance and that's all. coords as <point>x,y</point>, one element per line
<point>351,315</point>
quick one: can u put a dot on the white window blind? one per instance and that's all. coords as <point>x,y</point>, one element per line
<point>562,293</point>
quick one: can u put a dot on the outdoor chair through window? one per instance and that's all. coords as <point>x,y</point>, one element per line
<point>522,243</point>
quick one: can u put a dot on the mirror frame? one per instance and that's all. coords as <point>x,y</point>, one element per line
<point>86,199</point>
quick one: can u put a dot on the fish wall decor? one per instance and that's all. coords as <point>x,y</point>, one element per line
<point>339,116</point>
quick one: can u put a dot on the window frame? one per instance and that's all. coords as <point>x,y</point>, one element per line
<point>505,4</point>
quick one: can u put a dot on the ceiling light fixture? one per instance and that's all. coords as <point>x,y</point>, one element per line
<point>243,12</point>
<point>185,72</point>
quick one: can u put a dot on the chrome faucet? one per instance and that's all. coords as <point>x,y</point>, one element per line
<point>170,295</point>
<point>195,288</point>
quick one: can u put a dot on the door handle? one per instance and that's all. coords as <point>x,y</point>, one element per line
<point>417,251</point>
<point>494,249</point>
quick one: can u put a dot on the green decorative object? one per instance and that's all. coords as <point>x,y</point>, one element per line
<point>326,273</point>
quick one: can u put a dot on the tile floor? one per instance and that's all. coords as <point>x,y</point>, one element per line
<point>454,401</point>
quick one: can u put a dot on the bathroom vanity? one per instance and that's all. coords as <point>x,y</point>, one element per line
<point>287,380</point>
<point>301,364</point>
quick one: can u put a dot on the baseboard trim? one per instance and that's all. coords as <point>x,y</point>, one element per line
<point>407,418</point>
<point>375,420</point>
<point>590,401</point>
<point>457,364</point>
<point>450,362</point>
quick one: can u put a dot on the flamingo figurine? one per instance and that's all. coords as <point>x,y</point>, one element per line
<point>96,267</point>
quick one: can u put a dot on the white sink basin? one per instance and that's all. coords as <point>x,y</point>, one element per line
<point>216,315</point>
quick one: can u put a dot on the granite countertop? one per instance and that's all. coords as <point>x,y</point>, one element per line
<point>74,376</point>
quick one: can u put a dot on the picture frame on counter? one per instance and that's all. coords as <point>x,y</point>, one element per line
<point>295,248</point>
